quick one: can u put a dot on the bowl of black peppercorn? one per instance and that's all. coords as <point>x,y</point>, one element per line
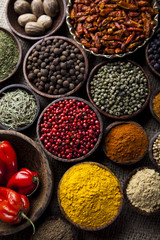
<point>153,54</point>
<point>55,67</point>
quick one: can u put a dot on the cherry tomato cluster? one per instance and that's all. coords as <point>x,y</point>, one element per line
<point>69,129</point>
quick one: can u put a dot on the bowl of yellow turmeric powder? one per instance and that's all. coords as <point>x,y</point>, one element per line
<point>125,142</point>
<point>90,196</point>
<point>154,104</point>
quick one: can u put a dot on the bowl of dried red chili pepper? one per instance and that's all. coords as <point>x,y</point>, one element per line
<point>112,29</point>
<point>20,159</point>
<point>69,129</point>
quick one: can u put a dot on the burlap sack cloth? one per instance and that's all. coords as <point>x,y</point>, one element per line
<point>129,225</point>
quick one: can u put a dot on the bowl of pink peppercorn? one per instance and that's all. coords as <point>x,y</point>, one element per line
<point>69,129</point>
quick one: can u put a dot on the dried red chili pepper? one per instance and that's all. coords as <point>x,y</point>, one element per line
<point>24,182</point>
<point>108,17</point>
<point>9,158</point>
<point>13,206</point>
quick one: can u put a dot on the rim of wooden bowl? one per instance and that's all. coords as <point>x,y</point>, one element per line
<point>60,95</point>
<point>120,55</point>
<point>111,126</point>
<point>123,117</point>
<point>12,17</point>
<point>92,228</point>
<point>24,224</point>
<point>150,151</point>
<point>27,89</point>
<point>73,159</point>
<point>139,211</point>
<point>154,94</point>
<point>19,47</point>
<point>147,59</point>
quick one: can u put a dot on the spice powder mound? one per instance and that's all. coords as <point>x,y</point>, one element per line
<point>143,190</point>
<point>125,143</point>
<point>90,195</point>
<point>54,228</point>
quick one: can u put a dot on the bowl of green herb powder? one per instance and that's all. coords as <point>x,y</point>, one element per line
<point>10,54</point>
<point>19,107</point>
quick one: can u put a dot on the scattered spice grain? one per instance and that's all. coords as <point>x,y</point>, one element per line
<point>17,109</point>
<point>54,228</point>
<point>156,105</point>
<point>143,190</point>
<point>125,142</point>
<point>8,54</point>
<point>90,195</point>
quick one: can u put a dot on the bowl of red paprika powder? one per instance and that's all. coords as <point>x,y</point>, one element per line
<point>69,129</point>
<point>125,142</point>
<point>28,156</point>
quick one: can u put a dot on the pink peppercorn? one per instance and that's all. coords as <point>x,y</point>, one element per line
<point>69,129</point>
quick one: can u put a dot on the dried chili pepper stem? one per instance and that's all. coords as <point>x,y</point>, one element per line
<point>23,215</point>
<point>35,180</point>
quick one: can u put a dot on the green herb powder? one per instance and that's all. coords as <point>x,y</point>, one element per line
<point>8,54</point>
<point>17,109</point>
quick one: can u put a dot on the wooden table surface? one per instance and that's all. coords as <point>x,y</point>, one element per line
<point>128,225</point>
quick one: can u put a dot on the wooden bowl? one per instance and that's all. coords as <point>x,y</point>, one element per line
<point>123,117</point>
<point>12,19</point>
<point>19,50</point>
<point>91,228</point>
<point>150,151</point>
<point>29,156</point>
<point>73,159</point>
<point>111,126</point>
<point>51,95</point>
<point>137,210</point>
<point>13,87</point>
<point>154,94</point>
<point>153,70</point>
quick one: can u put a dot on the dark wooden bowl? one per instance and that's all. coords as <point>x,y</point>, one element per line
<point>111,126</point>
<point>156,73</point>
<point>150,151</point>
<point>19,50</point>
<point>12,17</point>
<point>73,159</point>
<point>29,156</point>
<point>123,117</point>
<point>92,228</point>
<point>151,104</point>
<point>46,94</point>
<point>137,210</point>
<point>28,90</point>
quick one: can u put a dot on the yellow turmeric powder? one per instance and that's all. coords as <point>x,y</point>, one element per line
<point>156,105</point>
<point>90,195</point>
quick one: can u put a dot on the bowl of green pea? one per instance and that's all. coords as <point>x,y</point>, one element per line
<point>10,54</point>
<point>118,89</point>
